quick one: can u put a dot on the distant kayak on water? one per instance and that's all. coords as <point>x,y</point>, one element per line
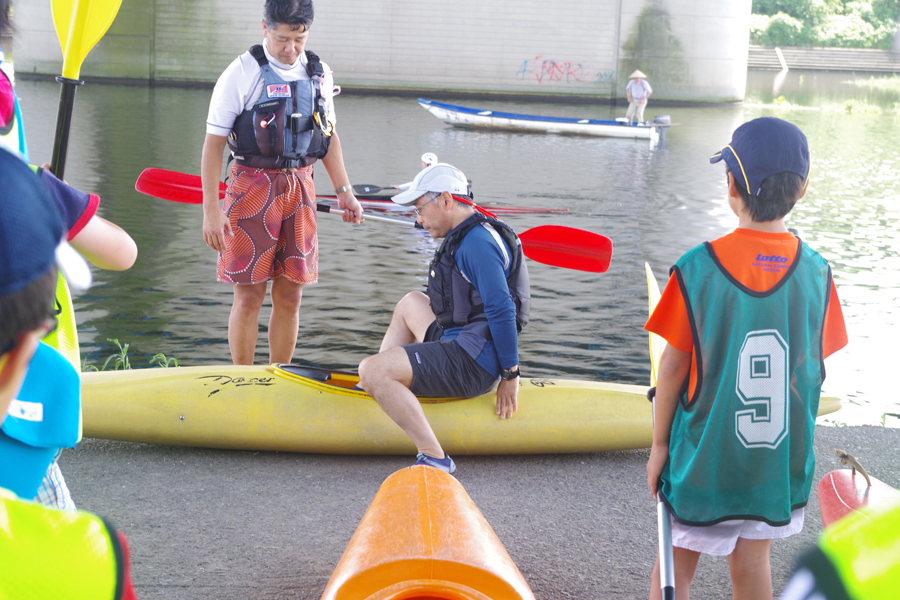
<point>461,116</point>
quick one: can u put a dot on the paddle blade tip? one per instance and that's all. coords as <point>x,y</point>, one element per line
<point>568,247</point>
<point>173,186</point>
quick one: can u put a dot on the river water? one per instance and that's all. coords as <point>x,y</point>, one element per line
<point>653,203</point>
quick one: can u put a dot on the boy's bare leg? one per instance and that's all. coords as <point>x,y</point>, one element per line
<point>386,376</point>
<point>243,323</point>
<point>751,571</point>
<point>410,321</point>
<point>685,563</point>
<point>285,319</point>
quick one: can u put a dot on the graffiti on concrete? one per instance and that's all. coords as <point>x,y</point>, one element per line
<point>545,70</point>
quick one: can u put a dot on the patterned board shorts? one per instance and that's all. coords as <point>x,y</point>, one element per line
<point>273,217</point>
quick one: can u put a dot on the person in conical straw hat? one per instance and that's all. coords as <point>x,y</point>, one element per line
<point>637,91</point>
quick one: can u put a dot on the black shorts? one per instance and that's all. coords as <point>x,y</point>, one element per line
<point>442,369</point>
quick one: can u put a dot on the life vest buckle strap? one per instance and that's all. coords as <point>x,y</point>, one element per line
<point>300,123</point>
<point>278,162</point>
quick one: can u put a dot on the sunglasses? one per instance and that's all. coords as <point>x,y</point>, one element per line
<point>418,209</point>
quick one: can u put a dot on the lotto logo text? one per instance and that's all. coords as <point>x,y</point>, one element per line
<point>774,258</point>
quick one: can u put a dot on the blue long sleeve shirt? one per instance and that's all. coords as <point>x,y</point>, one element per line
<point>484,259</point>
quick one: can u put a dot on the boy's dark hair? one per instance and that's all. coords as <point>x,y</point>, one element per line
<point>26,309</point>
<point>298,14</point>
<point>777,195</point>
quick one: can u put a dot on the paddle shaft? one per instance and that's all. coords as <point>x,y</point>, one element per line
<point>553,245</point>
<point>326,208</point>
<point>63,124</point>
<point>181,187</point>
<point>666,566</point>
<point>664,533</point>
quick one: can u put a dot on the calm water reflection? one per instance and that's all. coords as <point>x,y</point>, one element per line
<point>654,204</point>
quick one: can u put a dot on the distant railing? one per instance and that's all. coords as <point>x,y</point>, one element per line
<point>765,58</point>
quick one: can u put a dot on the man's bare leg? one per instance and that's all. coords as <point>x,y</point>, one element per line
<point>386,377</point>
<point>285,319</point>
<point>243,322</point>
<point>410,321</point>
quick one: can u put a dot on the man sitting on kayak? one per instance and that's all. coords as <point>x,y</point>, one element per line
<point>463,336</point>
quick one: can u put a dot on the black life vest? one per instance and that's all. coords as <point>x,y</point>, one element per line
<point>454,300</point>
<point>288,126</point>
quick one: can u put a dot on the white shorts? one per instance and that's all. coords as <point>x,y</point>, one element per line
<point>721,538</point>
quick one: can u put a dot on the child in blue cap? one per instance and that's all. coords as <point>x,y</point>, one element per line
<point>749,319</point>
<point>44,553</point>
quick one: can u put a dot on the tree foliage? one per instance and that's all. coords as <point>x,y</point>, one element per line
<point>830,23</point>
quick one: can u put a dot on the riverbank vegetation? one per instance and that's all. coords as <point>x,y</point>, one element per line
<point>825,23</point>
<point>120,359</point>
<point>891,84</point>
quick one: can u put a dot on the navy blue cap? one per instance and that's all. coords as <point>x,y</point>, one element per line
<point>764,147</point>
<point>30,225</point>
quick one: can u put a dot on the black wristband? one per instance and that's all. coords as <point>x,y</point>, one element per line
<point>507,374</point>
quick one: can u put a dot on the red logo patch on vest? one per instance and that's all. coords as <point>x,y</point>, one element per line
<point>278,90</point>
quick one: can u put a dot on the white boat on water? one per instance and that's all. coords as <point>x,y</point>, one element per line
<point>461,116</point>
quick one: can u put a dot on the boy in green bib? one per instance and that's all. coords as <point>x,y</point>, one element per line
<point>749,319</point>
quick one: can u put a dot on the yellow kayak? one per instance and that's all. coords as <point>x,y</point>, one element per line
<point>65,338</point>
<point>303,409</point>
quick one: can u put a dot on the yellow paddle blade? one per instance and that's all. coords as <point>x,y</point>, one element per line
<point>79,26</point>
<point>656,342</point>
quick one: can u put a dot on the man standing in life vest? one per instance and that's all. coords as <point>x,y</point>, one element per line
<point>274,108</point>
<point>463,336</point>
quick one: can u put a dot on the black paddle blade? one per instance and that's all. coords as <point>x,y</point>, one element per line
<point>365,188</point>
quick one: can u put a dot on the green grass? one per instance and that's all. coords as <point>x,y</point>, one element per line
<point>891,84</point>
<point>851,106</point>
<point>854,106</point>
<point>119,360</point>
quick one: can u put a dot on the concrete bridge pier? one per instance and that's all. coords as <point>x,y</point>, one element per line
<point>692,50</point>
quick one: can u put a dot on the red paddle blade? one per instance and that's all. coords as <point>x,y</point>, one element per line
<point>567,247</point>
<point>173,186</point>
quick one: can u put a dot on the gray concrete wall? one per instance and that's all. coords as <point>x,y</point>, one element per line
<point>691,49</point>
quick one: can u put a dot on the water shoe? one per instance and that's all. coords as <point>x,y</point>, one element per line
<point>445,464</point>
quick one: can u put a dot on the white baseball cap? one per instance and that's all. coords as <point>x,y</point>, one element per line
<point>436,178</point>
<point>429,158</point>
